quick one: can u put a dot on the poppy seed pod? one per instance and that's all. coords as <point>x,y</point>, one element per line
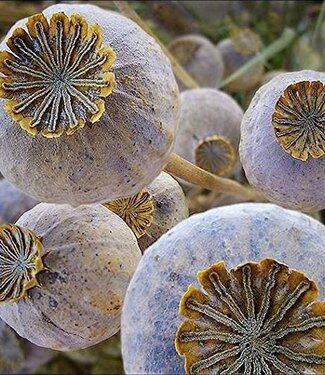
<point>209,130</point>
<point>13,202</point>
<point>153,211</point>
<point>236,51</point>
<point>234,234</point>
<point>199,58</point>
<point>282,140</point>
<point>89,105</point>
<point>64,274</point>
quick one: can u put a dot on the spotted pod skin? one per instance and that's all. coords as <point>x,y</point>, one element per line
<point>233,60</point>
<point>125,149</point>
<point>234,234</point>
<point>13,202</point>
<point>89,257</point>
<point>284,180</point>
<point>170,208</point>
<point>199,58</point>
<point>205,113</point>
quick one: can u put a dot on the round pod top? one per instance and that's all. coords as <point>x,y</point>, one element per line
<point>209,130</point>
<point>64,273</point>
<point>153,211</point>
<point>236,51</point>
<point>199,58</point>
<point>257,317</point>
<point>234,234</point>
<point>282,140</point>
<point>89,105</point>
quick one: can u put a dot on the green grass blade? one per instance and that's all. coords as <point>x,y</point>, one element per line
<point>281,43</point>
<point>319,23</point>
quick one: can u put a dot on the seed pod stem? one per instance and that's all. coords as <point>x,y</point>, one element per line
<point>189,172</point>
<point>127,11</point>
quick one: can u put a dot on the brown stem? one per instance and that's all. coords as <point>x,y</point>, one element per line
<point>127,10</point>
<point>189,172</point>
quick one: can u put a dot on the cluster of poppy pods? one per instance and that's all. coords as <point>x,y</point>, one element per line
<point>90,115</point>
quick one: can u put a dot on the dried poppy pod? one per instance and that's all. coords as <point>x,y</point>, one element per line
<point>13,202</point>
<point>199,58</point>
<point>97,83</point>
<point>282,141</point>
<point>209,130</point>
<point>235,234</point>
<point>72,267</point>
<point>242,46</point>
<point>153,211</point>
<point>256,318</point>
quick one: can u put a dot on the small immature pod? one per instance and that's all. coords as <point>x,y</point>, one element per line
<point>154,211</point>
<point>236,51</point>
<point>209,130</point>
<point>89,105</point>
<point>283,141</point>
<point>199,58</point>
<point>64,274</point>
<point>13,202</point>
<point>234,234</point>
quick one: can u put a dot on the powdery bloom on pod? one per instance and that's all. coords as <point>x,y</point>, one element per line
<point>153,211</point>
<point>102,88</point>
<point>199,58</point>
<point>234,234</point>
<point>256,318</point>
<point>282,147</point>
<point>236,51</point>
<point>64,274</point>
<point>13,202</point>
<point>209,130</point>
